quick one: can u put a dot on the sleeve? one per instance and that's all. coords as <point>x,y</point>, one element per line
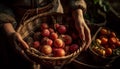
<point>78,4</point>
<point>6,16</point>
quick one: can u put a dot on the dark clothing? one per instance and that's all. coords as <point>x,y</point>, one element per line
<point>19,7</point>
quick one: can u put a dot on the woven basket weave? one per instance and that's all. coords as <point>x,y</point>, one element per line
<point>27,28</point>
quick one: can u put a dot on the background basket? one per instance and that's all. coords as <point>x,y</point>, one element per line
<point>27,28</point>
<point>102,59</point>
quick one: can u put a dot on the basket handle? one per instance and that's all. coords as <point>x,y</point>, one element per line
<point>36,11</point>
<point>25,16</point>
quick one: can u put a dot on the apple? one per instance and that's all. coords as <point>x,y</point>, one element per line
<point>108,51</point>
<point>58,43</point>
<point>67,39</point>
<point>118,43</point>
<point>112,34</point>
<point>98,40</point>
<point>58,52</point>
<point>73,48</point>
<point>49,42</point>
<point>46,49</point>
<point>74,36</point>
<point>53,35</point>
<point>56,25</point>
<point>51,30</point>
<point>45,32</point>
<point>104,31</point>
<point>66,48</point>
<point>112,40</point>
<point>44,26</point>
<point>46,41</point>
<point>36,44</point>
<point>104,40</point>
<point>62,29</point>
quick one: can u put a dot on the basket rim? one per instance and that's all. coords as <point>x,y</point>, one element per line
<point>46,57</point>
<point>57,58</point>
<point>32,18</point>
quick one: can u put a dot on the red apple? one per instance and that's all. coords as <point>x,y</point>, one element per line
<point>46,49</point>
<point>66,48</point>
<point>51,30</point>
<point>59,43</point>
<point>74,36</point>
<point>45,32</point>
<point>118,43</point>
<point>112,40</point>
<point>73,48</point>
<point>56,25</point>
<point>44,26</point>
<point>58,52</point>
<point>62,29</point>
<point>67,39</point>
<point>53,36</point>
<point>36,44</point>
<point>47,41</point>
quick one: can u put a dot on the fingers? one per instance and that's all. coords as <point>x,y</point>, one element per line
<point>84,34</point>
<point>81,33</point>
<point>21,50</point>
<point>80,30</point>
<point>21,41</point>
<point>23,54</point>
<point>24,44</point>
<point>87,36</point>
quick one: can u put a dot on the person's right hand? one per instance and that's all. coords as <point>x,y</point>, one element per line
<point>82,28</point>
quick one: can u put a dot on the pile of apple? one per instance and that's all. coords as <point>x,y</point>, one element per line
<point>106,42</point>
<point>54,40</point>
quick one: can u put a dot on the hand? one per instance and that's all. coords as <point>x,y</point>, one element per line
<point>17,36</point>
<point>16,41</point>
<point>82,28</point>
<point>20,45</point>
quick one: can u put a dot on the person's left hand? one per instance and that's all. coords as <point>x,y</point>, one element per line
<point>17,36</point>
<point>20,45</point>
<point>82,28</point>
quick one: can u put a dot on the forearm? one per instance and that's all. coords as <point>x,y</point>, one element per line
<point>78,4</point>
<point>8,28</point>
<point>78,15</point>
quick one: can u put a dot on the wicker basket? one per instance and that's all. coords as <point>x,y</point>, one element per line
<point>27,28</point>
<point>102,58</point>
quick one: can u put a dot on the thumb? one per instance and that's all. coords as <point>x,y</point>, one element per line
<point>21,41</point>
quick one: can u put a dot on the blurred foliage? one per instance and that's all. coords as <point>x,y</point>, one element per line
<point>96,10</point>
<point>103,4</point>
